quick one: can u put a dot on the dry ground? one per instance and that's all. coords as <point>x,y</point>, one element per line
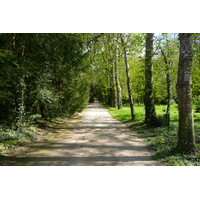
<point>96,140</point>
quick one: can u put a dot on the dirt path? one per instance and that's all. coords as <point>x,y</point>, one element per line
<point>98,140</point>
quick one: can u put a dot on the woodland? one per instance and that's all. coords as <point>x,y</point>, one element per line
<point>50,75</point>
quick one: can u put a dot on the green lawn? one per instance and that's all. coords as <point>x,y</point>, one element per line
<point>159,138</point>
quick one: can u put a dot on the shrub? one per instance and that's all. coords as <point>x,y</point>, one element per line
<point>196,103</point>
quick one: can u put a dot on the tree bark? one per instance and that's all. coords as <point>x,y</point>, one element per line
<point>150,112</point>
<point>128,81</point>
<point>169,90</point>
<point>21,92</point>
<point>169,85</point>
<point>186,138</point>
<point>118,87</point>
<point>21,104</point>
<point>114,91</point>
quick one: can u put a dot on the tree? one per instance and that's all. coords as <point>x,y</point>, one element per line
<point>118,86</point>
<point>112,55</point>
<point>186,138</point>
<point>46,74</point>
<point>128,77</point>
<point>150,112</point>
<point>195,66</point>
<point>167,45</point>
<point>103,71</point>
<point>105,79</point>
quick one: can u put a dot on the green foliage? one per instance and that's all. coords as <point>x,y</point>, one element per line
<point>165,62</point>
<point>9,75</point>
<point>46,96</point>
<point>48,102</point>
<point>103,60</point>
<point>8,134</point>
<point>41,74</point>
<point>182,160</point>
<point>52,75</point>
<point>10,138</point>
<point>196,103</point>
<point>159,139</point>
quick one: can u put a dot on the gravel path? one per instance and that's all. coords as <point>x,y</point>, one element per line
<point>98,140</point>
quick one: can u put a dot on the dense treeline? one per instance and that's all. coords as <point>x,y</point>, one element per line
<point>41,74</point>
<point>109,53</point>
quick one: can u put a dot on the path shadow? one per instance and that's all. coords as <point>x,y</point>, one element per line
<point>75,161</point>
<point>82,145</point>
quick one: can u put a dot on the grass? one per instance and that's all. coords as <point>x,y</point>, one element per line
<point>159,139</point>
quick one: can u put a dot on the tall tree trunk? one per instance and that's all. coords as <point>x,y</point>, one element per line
<point>150,112</point>
<point>110,94</point>
<point>169,91</point>
<point>168,81</point>
<point>108,91</point>
<point>13,41</point>
<point>128,81</point>
<point>186,138</point>
<point>21,93</point>
<point>114,91</point>
<point>118,87</point>
<point>21,104</point>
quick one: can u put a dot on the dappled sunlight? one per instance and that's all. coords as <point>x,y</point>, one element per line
<point>97,139</point>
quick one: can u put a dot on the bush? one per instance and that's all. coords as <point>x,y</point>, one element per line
<point>196,103</point>
<point>9,134</point>
<point>48,102</point>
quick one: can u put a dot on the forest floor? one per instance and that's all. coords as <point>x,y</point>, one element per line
<point>97,139</point>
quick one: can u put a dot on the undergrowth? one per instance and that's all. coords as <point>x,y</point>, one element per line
<point>160,139</point>
<point>11,138</point>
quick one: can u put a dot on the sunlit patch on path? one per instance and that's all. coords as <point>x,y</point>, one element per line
<point>97,140</point>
